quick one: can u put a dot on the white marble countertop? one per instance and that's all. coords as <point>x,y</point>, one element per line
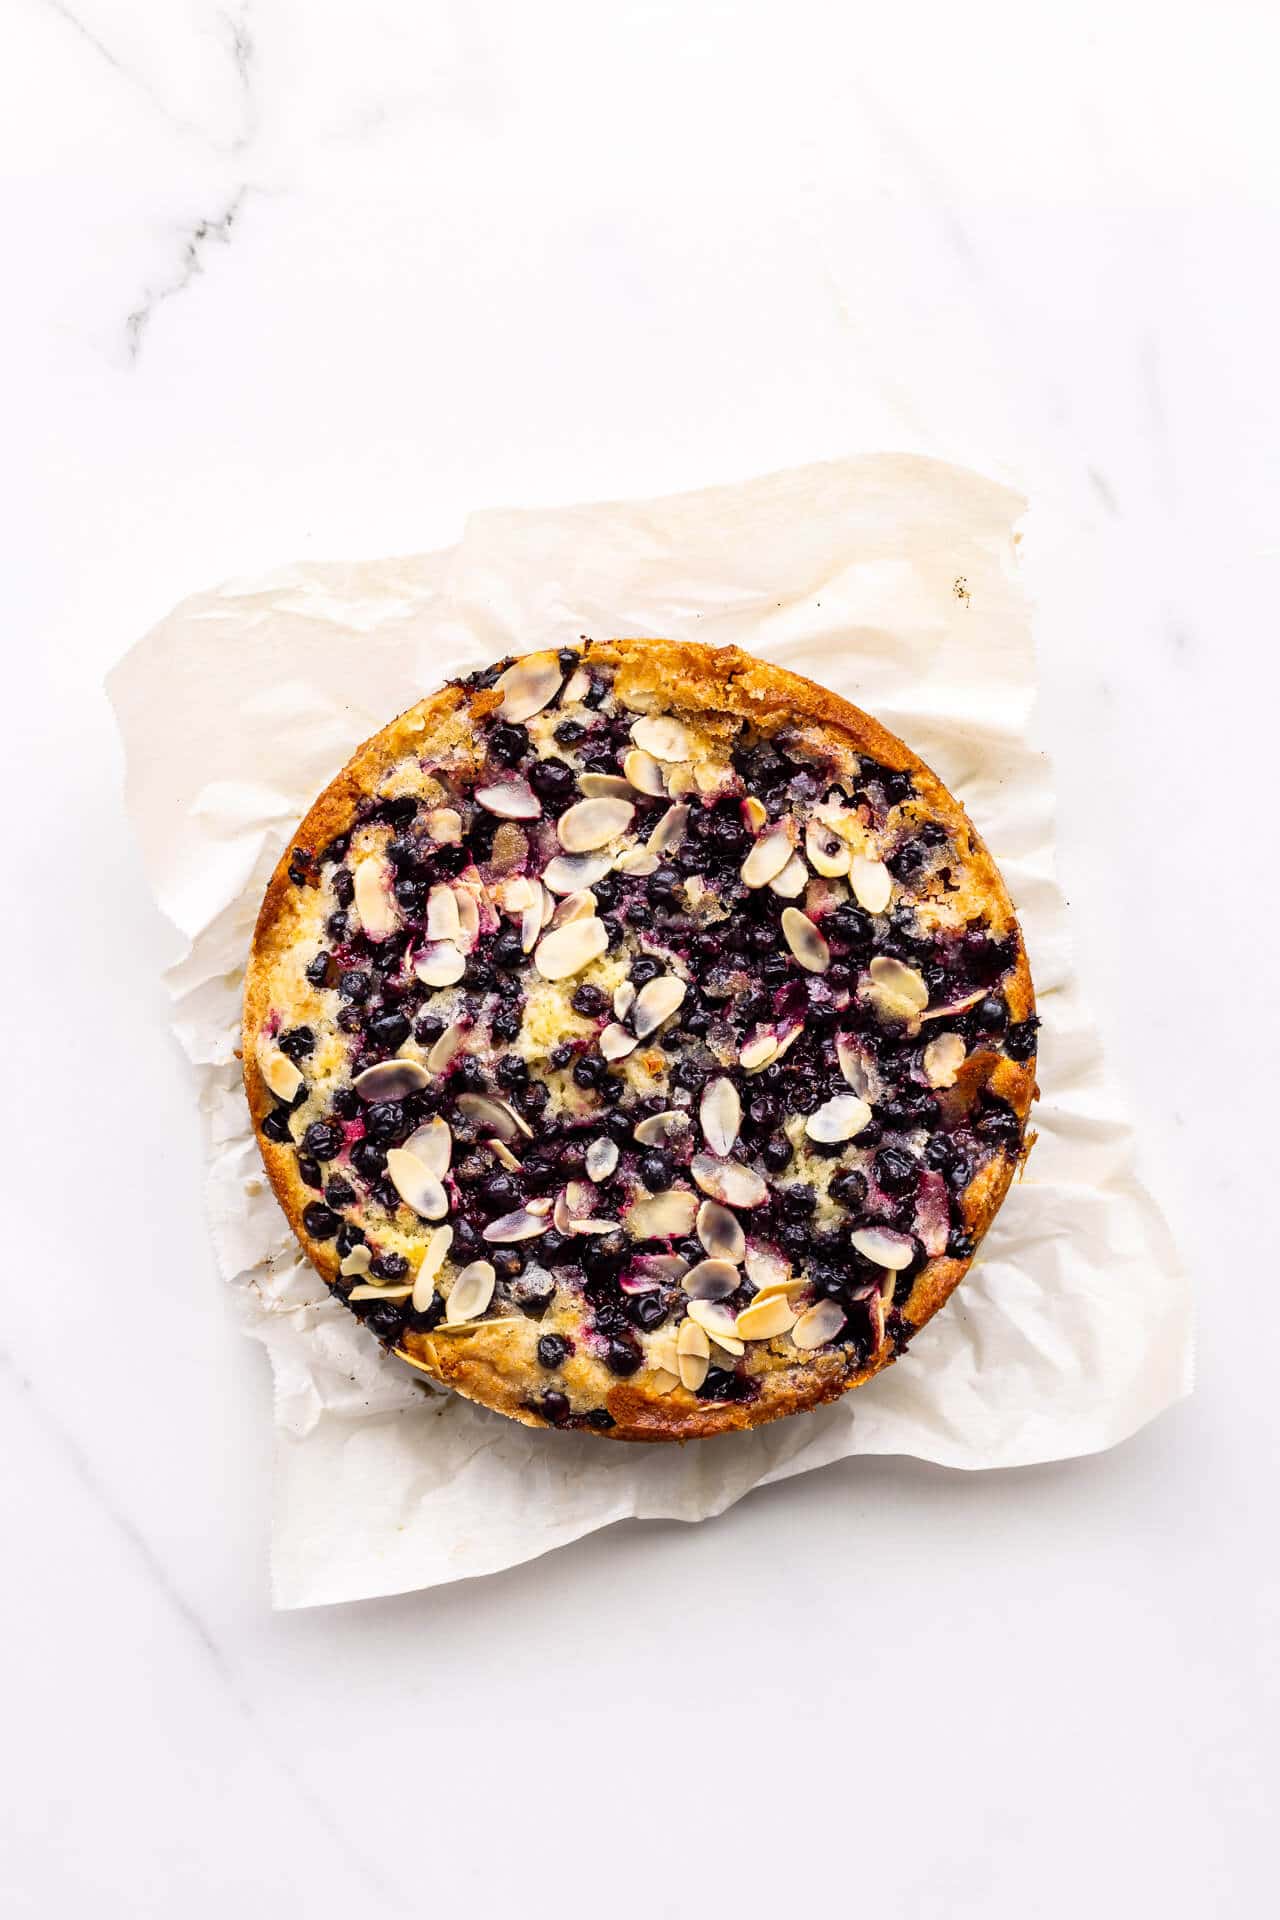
<point>312,282</point>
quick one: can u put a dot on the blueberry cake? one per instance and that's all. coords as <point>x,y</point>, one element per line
<point>639,1039</point>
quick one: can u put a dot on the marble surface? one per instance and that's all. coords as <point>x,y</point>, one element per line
<point>313,281</point>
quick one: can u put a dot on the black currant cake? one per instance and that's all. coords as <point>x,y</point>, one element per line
<point>640,1040</point>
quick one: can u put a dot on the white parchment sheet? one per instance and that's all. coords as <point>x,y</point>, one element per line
<point>891,579</point>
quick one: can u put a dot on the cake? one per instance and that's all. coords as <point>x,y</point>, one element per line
<point>639,1039</point>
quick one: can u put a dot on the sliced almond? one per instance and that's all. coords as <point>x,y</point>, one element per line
<point>680,781</point>
<point>605,786</point>
<point>670,830</point>
<point>766,1268</point>
<point>645,774</point>
<point>564,875</point>
<point>442,915</point>
<point>804,940</point>
<point>656,1001</point>
<point>649,1271</point>
<point>659,1129</point>
<point>710,776</point>
<point>663,1216</point>
<point>720,1232</point>
<point>872,883</point>
<point>841,1118</point>
<point>509,1228</point>
<point>494,1115</point>
<point>728,1181</point>
<point>792,881</point>
<point>447,1048</point>
<point>376,1292</point>
<point>577,687</point>
<point>437,1246</point>
<point>766,1319</point>
<point>662,735</point>
<point>616,1042</point>
<point>712,1280</point>
<point>828,853</point>
<point>531,922</point>
<point>444,824</point>
<point>883,1247</point>
<point>943,1059</point>
<point>602,1159</point>
<point>758,1051</point>
<point>693,1354</point>
<point>280,1073</point>
<point>433,1145</point>
<point>518,892</point>
<point>820,1325</point>
<point>440,965</point>
<point>664,1381</point>
<point>357,1261</point>
<point>391,1080</point>
<point>417,1186</point>
<point>502,1154</point>
<point>624,999</point>
<point>468,908</point>
<point>510,800</point>
<point>590,824</point>
<point>720,1115</point>
<point>374,901</point>
<point>661,1349</point>
<point>528,686</point>
<point>573,906</point>
<point>592,1224</point>
<point>852,1065</point>
<point>637,862</point>
<point>895,977</point>
<point>754,812</point>
<point>956,1006</point>
<point>471,1292</point>
<point>768,856</point>
<point>717,1321</point>
<point>569,949</point>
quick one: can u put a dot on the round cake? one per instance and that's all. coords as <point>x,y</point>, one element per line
<point>640,1040</point>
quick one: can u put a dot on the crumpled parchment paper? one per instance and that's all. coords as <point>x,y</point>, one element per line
<point>891,579</point>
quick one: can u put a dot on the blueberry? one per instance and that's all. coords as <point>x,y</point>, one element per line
<point>508,1264</point>
<point>309,1171</point>
<point>344,886</point>
<point>590,1071</point>
<point>989,1016</point>
<point>322,1140</point>
<point>656,1170</point>
<point>850,1189</point>
<point>691,1075</point>
<point>401,810</point>
<point>569,732</point>
<point>960,1245</point>
<point>720,1384</point>
<point>506,951</point>
<point>553,780</point>
<point>469,1073</point>
<point>506,1023</point>
<point>531,1099</point>
<point>403,854</point>
<point>554,1407</point>
<point>589,1002</point>
<point>386,1123</point>
<point>411,896</point>
<point>349,1236</point>
<point>335,850</point>
<point>336,926</point>
<point>354,985</point>
<point>1020,1041</point>
<point>423,1322</point>
<point>508,743</point>
<point>896,1172</point>
<point>321,1222</point>
<point>500,1194</point>
<point>623,1356</point>
<point>512,1070</point>
<point>643,969</point>
<point>776,1153</point>
<point>386,1319</point>
<point>603,1255</point>
<point>389,1030</point>
<point>339,1193</point>
<point>601,1419</point>
<point>645,1310</point>
<point>552,1350</point>
<point>368,1159</point>
<point>798,1201</point>
<point>318,970</point>
<point>765,1111</point>
<point>619,1126</point>
<point>389,1266</point>
<point>276,1126</point>
<point>297,1042</point>
<point>999,1126</point>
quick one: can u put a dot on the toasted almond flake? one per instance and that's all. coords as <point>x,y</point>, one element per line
<point>768,856</point>
<point>518,892</point>
<point>433,1145</point>
<point>680,780</point>
<point>496,1116</point>
<point>712,1280</point>
<point>848,1053</point>
<point>417,1186</point>
<point>717,1321</point>
<point>804,940</point>
<point>841,1118</point>
<point>442,915</point>
<point>391,1080</point>
<point>616,1042</point>
<point>468,917</point>
<point>574,906</point>
<point>821,1324</point>
<point>956,1006</point>
<point>899,979</point>
<point>437,1246</point>
<point>758,1051</point>
<point>280,1073</point>
<point>476,1326</point>
<point>872,883</point>
<point>720,1232</point>
<point>693,1354</point>
<point>577,687</point>
<point>787,1038</point>
<point>523,1224</point>
<point>549,906</point>
<point>602,1159</point>
<point>766,1267</point>
<point>656,1001</point>
<point>624,999</point>
<point>637,862</point>
<point>590,824</point>
<point>658,1129</point>
<point>565,875</point>
<point>729,1181</point>
<point>528,686</point>
<point>471,1292</point>
<point>374,901</point>
<point>510,800</point>
<point>943,1059</point>
<point>670,830</point>
<point>593,1224</point>
<point>890,1009</point>
<point>605,786</point>
<point>720,1115</point>
<point>754,812</point>
<point>663,1216</point>
<point>766,1319</point>
<point>503,1154</point>
<point>447,1048</point>
<point>441,965</point>
<point>650,1270</point>
<point>645,774</point>
<point>876,1304</point>
<point>883,1247</point>
<point>661,1349</point>
<point>570,948</point>
<point>710,776</point>
<point>662,735</point>
<point>444,824</point>
<point>375,1292</point>
<point>357,1261</point>
<point>828,853</point>
<point>792,881</point>
<point>664,1381</point>
<point>530,926</point>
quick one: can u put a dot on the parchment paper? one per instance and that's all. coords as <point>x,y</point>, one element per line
<point>891,579</point>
